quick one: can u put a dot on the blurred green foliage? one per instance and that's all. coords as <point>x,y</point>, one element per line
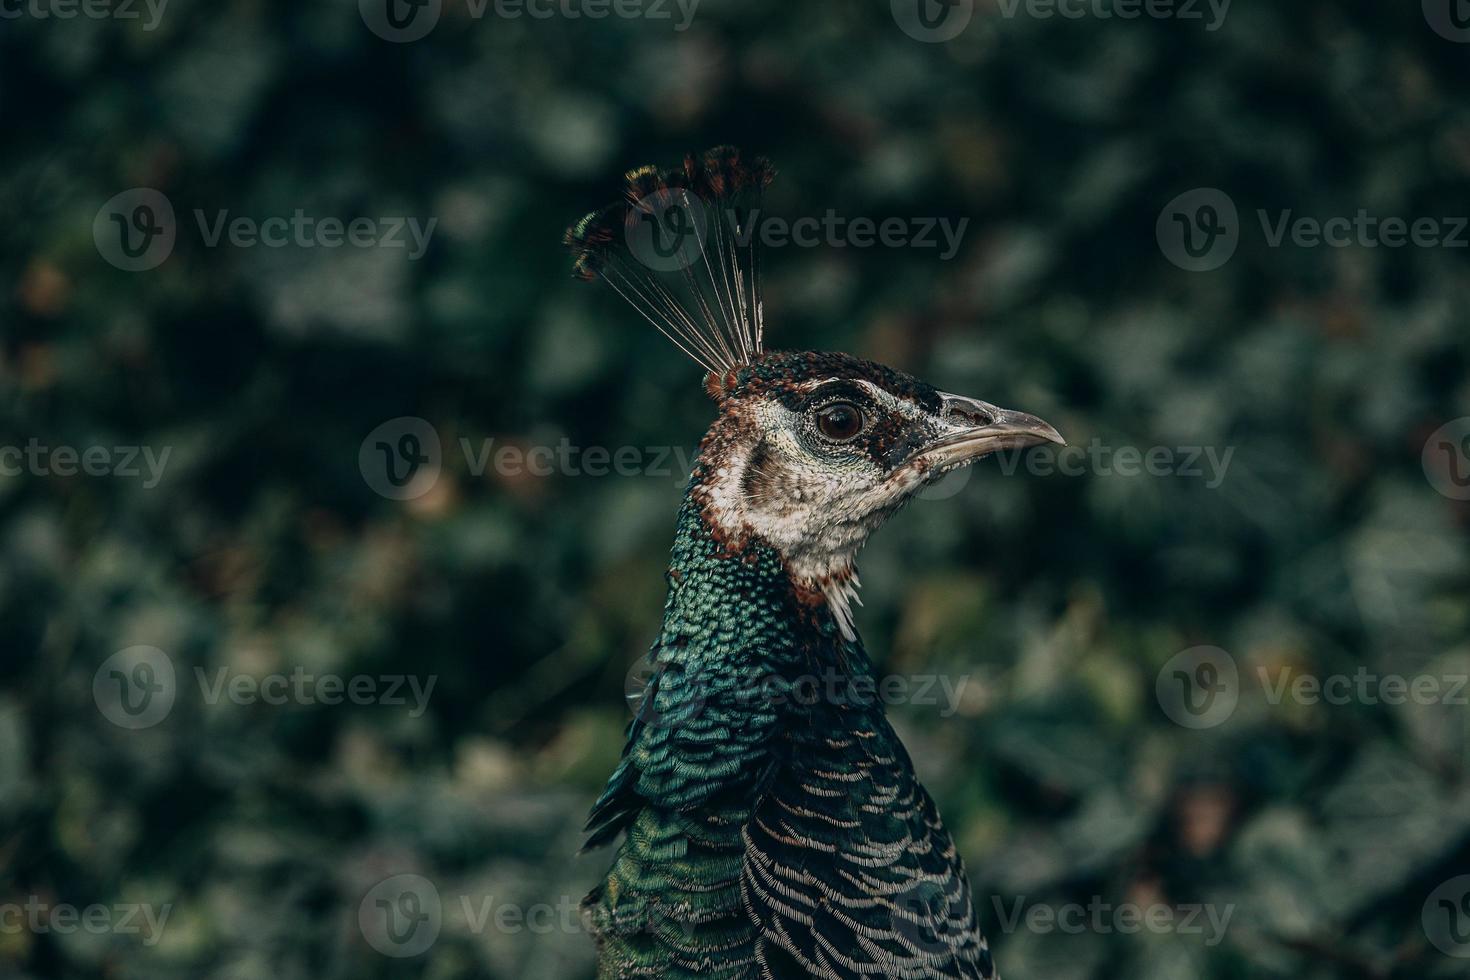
<point>263,550</point>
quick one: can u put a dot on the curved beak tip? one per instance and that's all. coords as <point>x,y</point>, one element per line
<point>1028,428</point>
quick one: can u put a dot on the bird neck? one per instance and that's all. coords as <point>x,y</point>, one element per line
<point>737,601</point>
<point>817,570</point>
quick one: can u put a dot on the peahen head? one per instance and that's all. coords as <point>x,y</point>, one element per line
<point>811,451</point>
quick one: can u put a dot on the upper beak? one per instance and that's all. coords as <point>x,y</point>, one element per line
<point>982,428</point>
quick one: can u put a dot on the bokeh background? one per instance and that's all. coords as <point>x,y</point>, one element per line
<point>264,549</point>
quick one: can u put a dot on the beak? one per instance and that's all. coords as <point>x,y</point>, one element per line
<point>980,428</point>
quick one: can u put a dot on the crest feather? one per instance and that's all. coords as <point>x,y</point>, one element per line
<point>680,248</point>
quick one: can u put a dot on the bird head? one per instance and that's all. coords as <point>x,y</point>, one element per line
<point>811,451</point>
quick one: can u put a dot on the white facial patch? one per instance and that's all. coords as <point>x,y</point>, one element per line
<point>816,504</point>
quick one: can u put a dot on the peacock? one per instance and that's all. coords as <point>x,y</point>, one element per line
<point>768,819</point>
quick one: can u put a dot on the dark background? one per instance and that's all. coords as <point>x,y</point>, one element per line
<point>263,549</point>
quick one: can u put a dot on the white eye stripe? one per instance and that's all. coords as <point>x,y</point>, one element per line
<point>892,402</point>
<point>880,395</point>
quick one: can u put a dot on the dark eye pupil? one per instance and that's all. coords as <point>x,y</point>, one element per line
<point>841,421</point>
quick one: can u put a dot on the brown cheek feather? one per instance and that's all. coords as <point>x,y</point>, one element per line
<point>761,474</point>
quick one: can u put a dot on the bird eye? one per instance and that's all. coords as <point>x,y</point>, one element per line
<point>840,421</point>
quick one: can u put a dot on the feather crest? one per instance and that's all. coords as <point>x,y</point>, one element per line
<point>680,249</point>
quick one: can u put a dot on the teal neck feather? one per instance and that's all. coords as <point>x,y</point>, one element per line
<point>736,635</point>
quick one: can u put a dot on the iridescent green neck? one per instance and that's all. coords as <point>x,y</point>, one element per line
<point>737,639</point>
